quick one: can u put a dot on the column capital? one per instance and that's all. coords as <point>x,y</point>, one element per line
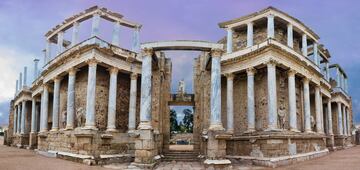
<point>250,23</point>
<point>306,80</point>
<point>270,16</point>
<point>291,72</point>
<point>92,62</point>
<point>72,71</point>
<point>113,70</point>
<point>229,76</point>
<point>57,79</point>
<point>228,29</point>
<point>251,71</point>
<point>133,76</point>
<point>290,25</point>
<point>147,52</point>
<point>216,52</point>
<point>271,62</point>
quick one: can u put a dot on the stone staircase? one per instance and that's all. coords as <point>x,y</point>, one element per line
<point>181,156</point>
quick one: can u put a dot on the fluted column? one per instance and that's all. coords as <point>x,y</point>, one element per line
<point>95,25</point>
<point>290,36</point>
<point>75,34</point>
<point>44,109</point>
<point>330,125</point>
<point>272,96</point>
<point>317,109</point>
<point>56,107</point>
<point>230,103</point>
<point>70,103</point>
<point>33,116</point>
<point>23,114</point>
<point>116,34</point>
<point>91,96</point>
<point>215,95</point>
<point>132,104</point>
<point>304,45</point>
<point>250,34</point>
<point>19,118</point>
<point>229,40</point>
<point>136,40</point>
<point>60,42</point>
<point>112,100</point>
<point>292,100</point>
<point>15,119</point>
<point>307,105</point>
<point>146,87</point>
<point>340,127</point>
<point>270,26</point>
<point>250,99</point>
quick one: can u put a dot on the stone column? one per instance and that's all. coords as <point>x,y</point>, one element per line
<point>146,88</point>
<point>272,96</point>
<point>316,57</point>
<point>307,105</point>
<point>304,45</point>
<point>317,109</point>
<point>91,96</point>
<point>17,87</point>
<point>112,100</point>
<point>25,76</point>
<point>230,103</point>
<point>250,99</point>
<point>215,117</point>
<point>132,104</point>
<point>21,82</point>
<point>116,34</point>
<point>327,72</point>
<point>15,119</point>
<point>47,55</point>
<point>340,127</point>
<point>60,42</point>
<point>44,109</point>
<point>337,77</point>
<point>75,34</point>
<point>292,100</point>
<point>346,85</point>
<point>18,129</point>
<point>95,25</point>
<point>344,120</point>
<point>322,128</point>
<point>56,107</point>
<point>136,40</point>
<point>23,114</point>
<point>349,122</point>
<point>250,34</point>
<point>270,26</point>
<point>229,40</point>
<point>33,116</point>
<point>290,36</point>
<point>36,69</point>
<point>70,103</point>
<point>330,117</point>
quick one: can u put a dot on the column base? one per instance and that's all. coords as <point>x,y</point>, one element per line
<point>216,127</point>
<point>89,128</point>
<point>145,126</point>
<point>273,130</point>
<point>111,130</point>
<point>69,128</point>
<point>54,130</point>
<point>295,130</point>
<point>309,131</point>
<point>230,131</point>
<point>250,131</point>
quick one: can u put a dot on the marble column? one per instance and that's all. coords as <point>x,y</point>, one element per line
<point>95,25</point>
<point>70,103</point>
<point>18,128</point>
<point>20,82</point>
<point>33,116</point>
<point>322,128</point>
<point>116,34</point>
<point>250,34</point>
<point>344,120</point>
<point>316,54</point>
<point>290,36</point>
<point>304,45</point>
<point>23,116</point>
<point>349,123</point>
<point>230,103</point>
<point>56,105</point>
<point>330,125</point>
<point>338,77</point>
<point>36,69</point>
<point>136,40</point>
<point>250,99</point>
<point>60,42</point>
<point>132,104</point>
<point>15,119</point>
<point>340,127</point>
<point>44,109</point>
<point>25,77</point>
<point>91,96</point>
<point>229,40</point>
<point>47,55</point>
<point>75,34</point>
<point>270,26</point>
<point>327,71</point>
<point>292,100</point>
<point>112,100</point>
<point>215,95</point>
<point>272,95</point>
<point>346,85</point>
<point>146,88</point>
<point>317,109</point>
<point>17,87</point>
<point>307,105</point>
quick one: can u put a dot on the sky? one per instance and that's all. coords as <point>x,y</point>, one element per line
<point>23,24</point>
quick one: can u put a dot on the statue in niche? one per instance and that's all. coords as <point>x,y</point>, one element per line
<point>312,122</point>
<point>63,118</point>
<point>281,116</point>
<point>181,87</point>
<point>80,117</point>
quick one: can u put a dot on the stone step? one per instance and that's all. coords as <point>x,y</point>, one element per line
<point>183,156</point>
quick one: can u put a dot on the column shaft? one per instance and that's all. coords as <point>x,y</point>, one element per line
<point>307,106</point>
<point>290,36</point>
<point>70,103</point>
<point>316,57</point>
<point>36,69</point>
<point>25,76</point>
<point>23,116</point>
<point>304,45</point>
<point>146,87</point>
<point>330,125</point>
<point>18,128</point>
<point>250,34</point>
<point>132,104</point>
<point>344,120</point>
<point>116,34</point>
<point>112,100</point>
<point>20,82</point>
<point>250,99</point>
<point>95,25</point>
<point>15,119</point>
<point>270,26</point>
<point>317,109</point>
<point>60,42</point>
<point>44,109</point>
<point>33,116</point>
<point>91,96</point>
<point>230,103</point>
<point>272,96</point>
<point>75,34</point>
<point>56,107</point>
<point>340,127</point>
<point>229,40</point>
<point>292,100</point>
<point>47,55</point>
<point>136,40</point>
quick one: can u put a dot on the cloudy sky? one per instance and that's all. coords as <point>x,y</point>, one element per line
<point>24,23</point>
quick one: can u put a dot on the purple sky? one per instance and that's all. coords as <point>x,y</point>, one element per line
<point>24,23</point>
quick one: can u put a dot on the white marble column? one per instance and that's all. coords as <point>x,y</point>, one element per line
<point>292,100</point>
<point>317,109</point>
<point>44,109</point>
<point>20,82</point>
<point>327,71</point>
<point>290,36</point>
<point>346,85</point>
<point>272,95</point>
<point>116,34</point>
<point>136,40</point>
<point>33,116</point>
<point>91,96</point>
<point>146,88</point>
<point>230,103</point>
<point>17,87</point>
<point>322,128</point>
<point>36,69</point>
<point>250,99</point>
<point>340,127</point>
<point>338,77</point>
<point>47,55</point>
<point>15,119</point>
<point>95,25</point>
<point>112,100</point>
<point>316,57</point>
<point>307,105</point>
<point>60,42</point>
<point>330,125</point>
<point>215,95</point>
<point>25,77</point>
<point>250,34</point>
<point>23,116</point>
<point>344,120</point>
<point>132,104</point>
<point>70,103</point>
<point>304,45</point>
<point>56,105</point>
<point>229,40</point>
<point>270,26</point>
<point>349,123</point>
<point>18,129</point>
<point>75,34</point>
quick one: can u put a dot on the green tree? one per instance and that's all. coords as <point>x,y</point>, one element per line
<point>188,121</point>
<point>174,127</point>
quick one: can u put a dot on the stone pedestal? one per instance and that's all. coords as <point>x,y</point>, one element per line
<point>24,140</point>
<point>33,141</point>
<point>330,142</point>
<point>216,152</point>
<point>145,149</point>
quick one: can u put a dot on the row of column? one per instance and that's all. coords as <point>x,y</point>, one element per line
<point>344,124</point>
<point>341,79</point>
<point>20,115</point>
